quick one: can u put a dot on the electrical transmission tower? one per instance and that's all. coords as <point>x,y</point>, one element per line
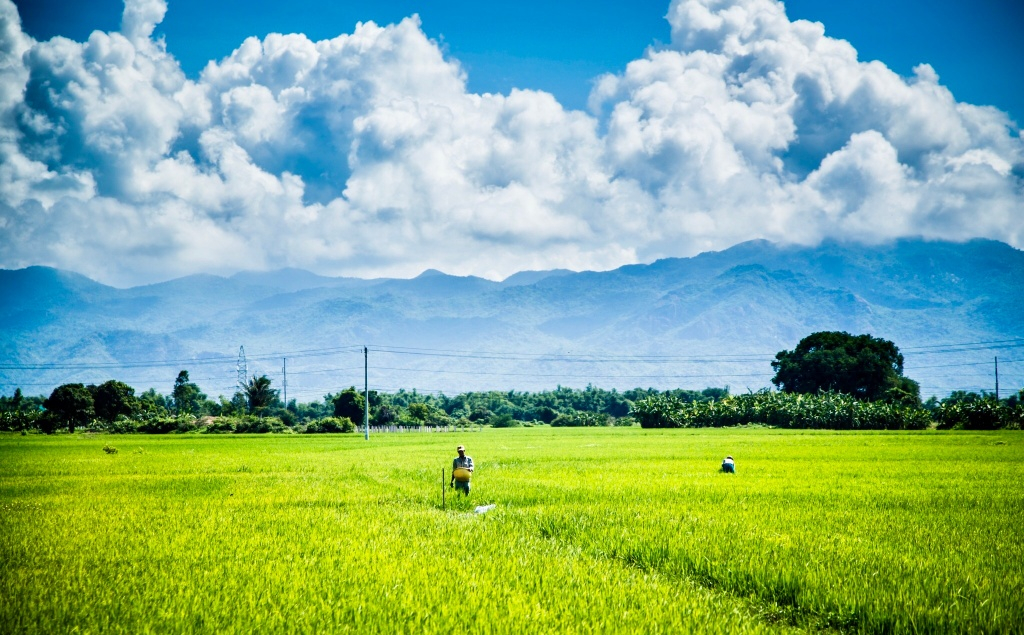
<point>242,369</point>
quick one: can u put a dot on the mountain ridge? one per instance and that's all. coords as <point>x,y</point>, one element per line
<point>637,325</point>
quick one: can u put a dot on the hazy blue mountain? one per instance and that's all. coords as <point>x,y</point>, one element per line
<point>531,277</point>
<point>711,320</point>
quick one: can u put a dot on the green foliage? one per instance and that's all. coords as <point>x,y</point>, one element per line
<point>114,399</point>
<point>546,414</point>
<point>121,425</point>
<point>1016,399</point>
<point>237,406</point>
<point>186,396</point>
<point>385,415</point>
<point>222,424</point>
<point>349,404</point>
<point>151,404</point>
<point>167,425</point>
<point>286,416</point>
<point>905,392</point>
<point>962,396</point>
<point>582,420</point>
<point>71,404</point>
<point>19,412</point>
<point>419,412</point>
<point>330,425</point>
<point>424,414</point>
<point>983,413</point>
<point>826,411</point>
<point>17,420</point>
<point>258,425</point>
<point>543,406</point>
<point>503,421</point>
<point>259,394</point>
<point>48,423</point>
<point>859,365</point>
<point>711,407</point>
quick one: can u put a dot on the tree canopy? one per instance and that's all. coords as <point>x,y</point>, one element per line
<point>865,367</point>
<point>113,398</point>
<point>349,403</point>
<point>71,404</point>
<point>187,396</point>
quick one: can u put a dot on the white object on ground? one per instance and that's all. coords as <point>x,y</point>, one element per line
<point>483,509</point>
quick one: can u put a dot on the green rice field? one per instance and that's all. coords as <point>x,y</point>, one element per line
<point>612,530</point>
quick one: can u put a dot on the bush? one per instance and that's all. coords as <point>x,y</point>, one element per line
<point>167,425</point>
<point>330,425</point>
<point>158,425</point>
<point>258,425</point>
<point>47,423</point>
<point>981,414</point>
<point>581,419</point>
<point>220,425</point>
<point>122,425</point>
<point>503,421</point>
<point>19,420</point>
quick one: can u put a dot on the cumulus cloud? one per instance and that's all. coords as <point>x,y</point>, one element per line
<point>753,125</point>
<point>366,155</point>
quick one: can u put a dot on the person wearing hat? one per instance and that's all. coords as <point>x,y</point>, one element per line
<point>462,461</point>
<point>728,465</point>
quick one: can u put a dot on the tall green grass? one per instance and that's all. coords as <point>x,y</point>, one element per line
<point>594,530</point>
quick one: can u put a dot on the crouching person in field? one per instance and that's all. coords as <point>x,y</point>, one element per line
<point>728,465</point>
<point>462,470</point>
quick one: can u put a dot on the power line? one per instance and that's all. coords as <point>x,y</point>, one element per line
<point>176,362</point>
<point>986,363</point>
<point>1016,340</point>
<point>497,355</point>
<point>570,357</point>
<point>648,375</point>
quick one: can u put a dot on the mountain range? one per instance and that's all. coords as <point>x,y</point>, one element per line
<point>715,319</point>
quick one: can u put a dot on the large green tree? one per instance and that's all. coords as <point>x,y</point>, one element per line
<point>865,367</point>
<point>70,404</point>
<point>187,397</point>
<point>349,403</point>
<point>113,398</point>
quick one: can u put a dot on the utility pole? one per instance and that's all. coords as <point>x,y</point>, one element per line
<point>997,380</point>
<point>366,391</point>
<point>285,371</point>
<point>242,369</point>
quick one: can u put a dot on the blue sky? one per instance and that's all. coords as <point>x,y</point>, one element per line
<point>490,138</point>
<point>976,47</point>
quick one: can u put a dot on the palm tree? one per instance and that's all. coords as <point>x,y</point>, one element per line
<point>259,393</point>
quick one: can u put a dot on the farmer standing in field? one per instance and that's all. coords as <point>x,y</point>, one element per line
<point>464,462</point>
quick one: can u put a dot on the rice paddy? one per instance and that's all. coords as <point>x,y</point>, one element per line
<point>592,530</point>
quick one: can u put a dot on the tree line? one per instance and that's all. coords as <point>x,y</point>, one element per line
<point>257,407</point>
<point>829,380</point>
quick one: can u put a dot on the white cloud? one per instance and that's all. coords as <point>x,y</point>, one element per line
<point>366,155</point>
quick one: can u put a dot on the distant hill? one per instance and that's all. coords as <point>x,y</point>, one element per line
<point>712,320</point>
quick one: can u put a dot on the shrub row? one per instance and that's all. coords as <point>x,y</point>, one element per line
<point>590,419</point>
<point>216,425</point>
<point>827,411</point>
<point>984,414</point>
